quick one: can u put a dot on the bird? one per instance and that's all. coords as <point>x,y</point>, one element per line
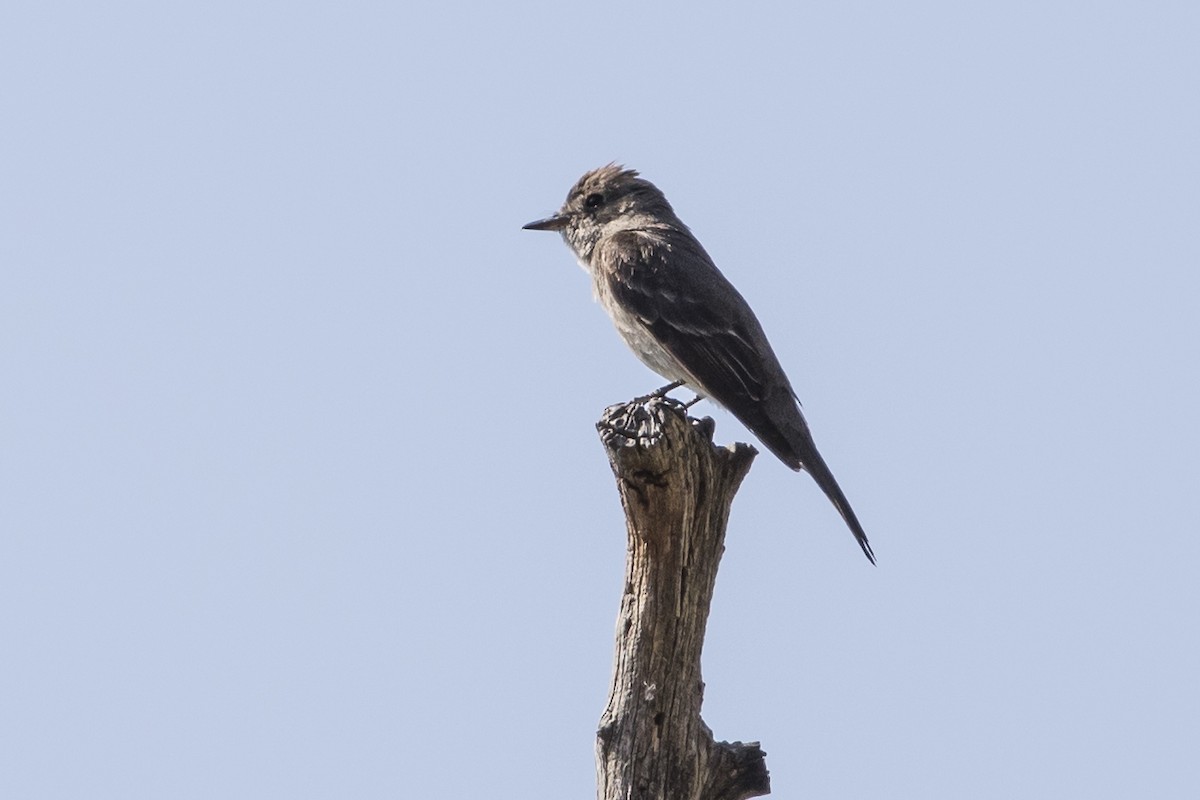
<point>683,318</point>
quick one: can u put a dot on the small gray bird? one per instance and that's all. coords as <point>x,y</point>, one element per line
<point>681,316</point>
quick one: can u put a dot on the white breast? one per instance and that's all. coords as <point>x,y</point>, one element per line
<point>639,338</point>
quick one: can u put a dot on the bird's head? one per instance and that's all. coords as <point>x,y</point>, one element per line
<point>603,202</point>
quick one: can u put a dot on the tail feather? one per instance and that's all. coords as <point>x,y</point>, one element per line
<point>780,426</point>
<point>814,465</point>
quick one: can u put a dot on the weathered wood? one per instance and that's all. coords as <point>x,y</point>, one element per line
<point>676,487</point>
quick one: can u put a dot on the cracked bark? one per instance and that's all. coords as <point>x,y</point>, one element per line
<point>676,487</point>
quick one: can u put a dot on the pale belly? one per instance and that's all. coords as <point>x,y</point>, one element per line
<point>642,343</point>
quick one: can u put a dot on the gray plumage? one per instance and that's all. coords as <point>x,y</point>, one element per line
<point>683,318</point>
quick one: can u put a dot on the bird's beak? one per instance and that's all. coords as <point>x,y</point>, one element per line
<point>555,223</point>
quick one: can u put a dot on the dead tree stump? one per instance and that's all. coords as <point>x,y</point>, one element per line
<point>676,487</point>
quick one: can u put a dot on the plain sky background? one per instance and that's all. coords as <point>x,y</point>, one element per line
<point>300,494</point>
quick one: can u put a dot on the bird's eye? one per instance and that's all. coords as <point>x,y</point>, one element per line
<point>594,200</point>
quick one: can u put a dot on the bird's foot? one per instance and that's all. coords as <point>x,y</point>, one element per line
<point>628,433</point>
<point>670,387</point>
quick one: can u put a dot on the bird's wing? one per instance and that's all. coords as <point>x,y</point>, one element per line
<point>695,314</point>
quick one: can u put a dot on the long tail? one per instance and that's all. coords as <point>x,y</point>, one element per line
<point>780,425</point>
<point>816,466</point>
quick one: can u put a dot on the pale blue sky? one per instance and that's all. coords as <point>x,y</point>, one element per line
<point>299,490</point>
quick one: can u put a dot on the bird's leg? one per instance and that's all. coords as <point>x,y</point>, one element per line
<point>670,387</point>
<point>693,401</point>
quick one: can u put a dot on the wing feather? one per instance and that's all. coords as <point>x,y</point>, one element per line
<point>697,316</point>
